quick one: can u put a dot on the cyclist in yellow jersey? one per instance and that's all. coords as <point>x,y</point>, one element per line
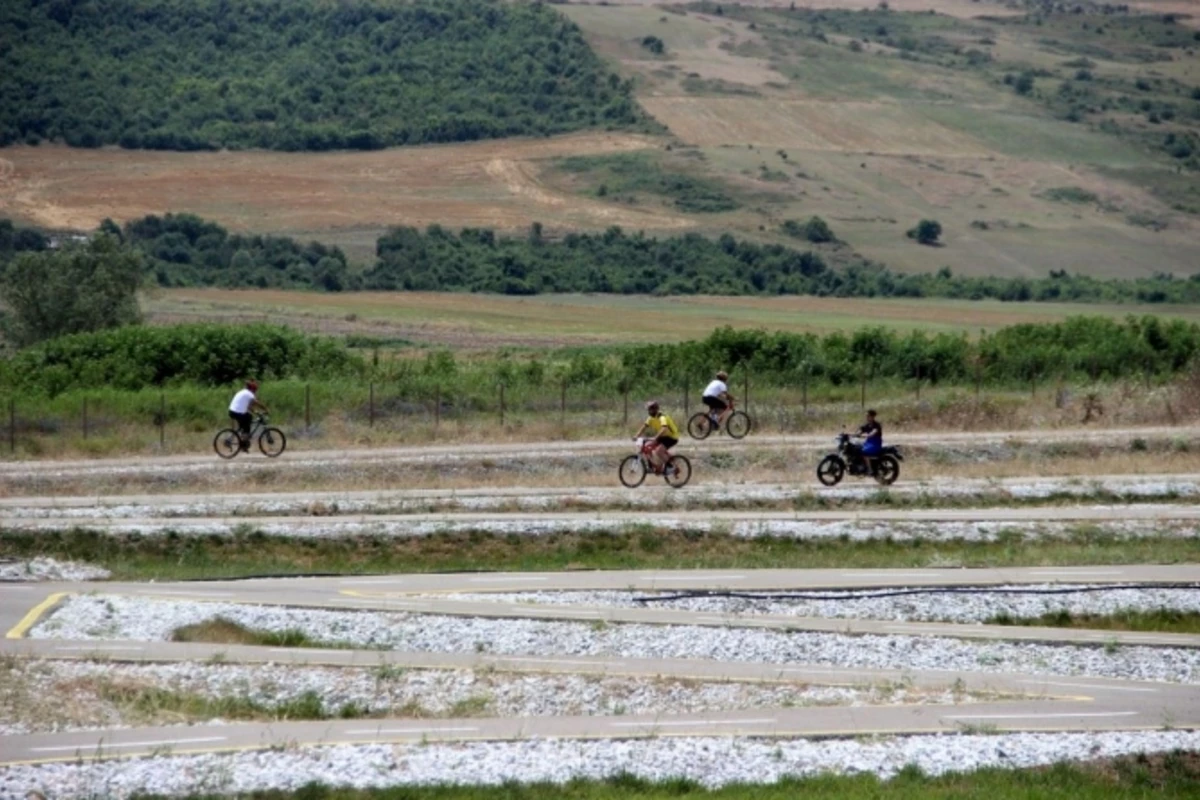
<point>666,434</point>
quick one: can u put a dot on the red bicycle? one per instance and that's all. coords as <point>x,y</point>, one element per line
<point>634,468</point>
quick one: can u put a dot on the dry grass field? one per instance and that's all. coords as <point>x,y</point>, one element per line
<point>482,322</point>
<point>867,140</point>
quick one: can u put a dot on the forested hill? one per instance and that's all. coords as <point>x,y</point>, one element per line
<point>296,74</point>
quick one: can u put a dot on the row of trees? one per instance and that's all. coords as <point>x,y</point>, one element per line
<point>185,250</point>
<point>297,74</point>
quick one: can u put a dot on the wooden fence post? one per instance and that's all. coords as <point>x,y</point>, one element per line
<point>437,407</point>
<point>307,407</point>
<point>371,406</point>
<point>12,424</point>
<point>85,425</point>
<point>502,405</point>
<point>162,420</point>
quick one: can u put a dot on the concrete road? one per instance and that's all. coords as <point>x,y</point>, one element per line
<point>1031,702</point>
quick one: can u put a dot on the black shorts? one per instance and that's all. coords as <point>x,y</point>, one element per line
<point>243,420</point>
<point>667,442</point>
<point>715,403</point>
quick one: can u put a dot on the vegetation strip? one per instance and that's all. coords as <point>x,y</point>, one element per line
<point>1163,620</point>
<point>249,553</point>
<point>1171,775</point>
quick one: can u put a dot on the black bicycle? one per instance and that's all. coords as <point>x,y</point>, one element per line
<point>737,424</point>
<point>271,441</point>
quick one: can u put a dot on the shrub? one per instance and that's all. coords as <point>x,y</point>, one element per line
<point>927,231</point>
<point>1023,85</point>
<point>816,230</point>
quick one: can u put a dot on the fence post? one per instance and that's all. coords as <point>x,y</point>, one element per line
<point>502,405</point>
<point>371,407</point>
<point>85,425</point>
<point>562,403</point>
<point>804,387</point>
<point>918,383</point>
<point>162,420</point>
<point>437,408</point>
<point>12,424</point>
<point>625,411</point>
<point>307,407</point>
<point>863,396</point>
<point>746,392</point>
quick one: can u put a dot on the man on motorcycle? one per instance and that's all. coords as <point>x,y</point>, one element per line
<point>873,443</point>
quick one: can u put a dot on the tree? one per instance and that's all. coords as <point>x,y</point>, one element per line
<point>928,231</point>
<point>76,289</point>
<point>1023,84</point>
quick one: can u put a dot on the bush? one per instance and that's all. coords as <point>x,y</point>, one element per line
<point>139,357</point>
<point>927,231</point>
<point>654,45</point>
<point>816,230</point>
<point>82,287</point>
<point>1023,85</point>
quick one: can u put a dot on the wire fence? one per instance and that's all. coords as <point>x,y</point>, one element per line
<point>557,409</point>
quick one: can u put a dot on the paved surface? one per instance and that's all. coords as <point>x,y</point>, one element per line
<point>1052,703</point>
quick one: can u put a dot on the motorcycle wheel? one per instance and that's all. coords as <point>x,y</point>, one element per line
<point>887,470</point>
<point>831,470</point>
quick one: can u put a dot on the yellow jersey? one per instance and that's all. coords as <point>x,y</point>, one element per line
<point>663,423</point>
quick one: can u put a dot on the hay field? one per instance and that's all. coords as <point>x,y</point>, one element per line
<point>485,322</point>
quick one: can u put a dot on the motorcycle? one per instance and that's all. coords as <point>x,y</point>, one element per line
<point>885,467</point>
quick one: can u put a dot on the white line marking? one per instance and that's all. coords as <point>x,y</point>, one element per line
<point>893,574</point>
<point>1047,716</point>
<point>711,620</point>
<point>409,730</point>
<point>371,581</point>
<point>100,647</point>
<point>17,588</point>
<point>516,579</point>
<point>682,723</point>
<point>322,650</point>
<point>102,746</point>
<point>173,592</point>
<point>699,578</point>
<point>518,660</point>
<point>1091,686</point>
<point>1076,572</point>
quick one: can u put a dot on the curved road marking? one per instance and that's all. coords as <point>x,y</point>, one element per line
<point>19,630</point>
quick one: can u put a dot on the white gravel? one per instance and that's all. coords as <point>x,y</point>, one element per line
<point>711,761</point>
<point>398,692</point>
<point>99,617</point>
<point>49,569</point>
<point>986,531</point>
<point>931,605</point>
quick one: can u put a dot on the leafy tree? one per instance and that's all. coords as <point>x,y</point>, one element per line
<point>79,288</point>
<point>297,74</point>
<point>928,231</point>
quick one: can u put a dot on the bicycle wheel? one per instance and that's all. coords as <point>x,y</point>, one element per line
<point>632,471</point>
<point>271,441</point>
<point>227,443</point>
<point>700,426</point>
<point>738,424</point>
<point>682,473</point>
<point>830,470</point>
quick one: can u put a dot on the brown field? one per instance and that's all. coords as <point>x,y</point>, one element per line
<point>485,184</point>
<point>491,321</point>
<point>870,143</point>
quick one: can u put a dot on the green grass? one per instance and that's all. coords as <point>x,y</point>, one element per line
<point>224,631</point>
<point>155,704</point>
<point>628,177</point>
<point>1172,775</point>
<point>250,553</point>
<point>1162,620</point>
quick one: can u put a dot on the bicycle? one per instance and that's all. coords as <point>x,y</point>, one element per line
<point>271,441</point>
<point>703,423</point>
<point>634,468</point>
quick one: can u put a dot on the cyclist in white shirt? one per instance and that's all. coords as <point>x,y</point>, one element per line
<point>717,398</point>
<point>240,407</point>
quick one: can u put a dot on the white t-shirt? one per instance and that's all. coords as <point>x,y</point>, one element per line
<point>241,402</point>
<point>716,389</point>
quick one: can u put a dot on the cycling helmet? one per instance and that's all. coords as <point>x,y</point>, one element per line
<point>652,406</point>
<point>722,375</point>
<point>252,385</point>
